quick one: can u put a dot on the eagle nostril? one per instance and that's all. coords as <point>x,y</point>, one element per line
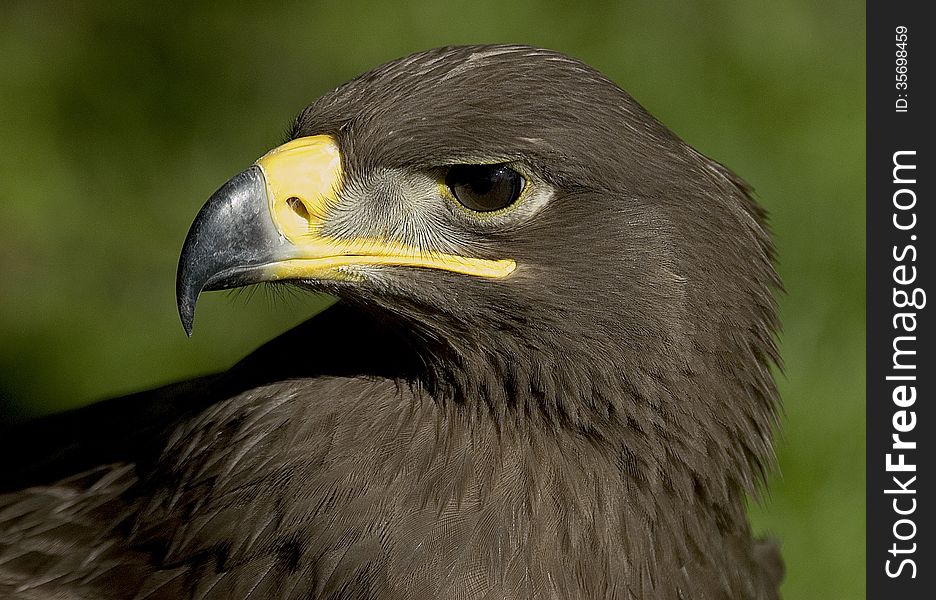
<point>298,207</point>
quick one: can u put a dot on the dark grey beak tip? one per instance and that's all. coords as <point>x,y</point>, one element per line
<point>231,236</point>
<point>187,314</point>
<point>188,289</point>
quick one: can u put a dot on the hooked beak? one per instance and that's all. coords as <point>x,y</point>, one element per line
<point>265,224</point>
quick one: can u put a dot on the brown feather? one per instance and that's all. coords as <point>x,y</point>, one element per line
<point>586,428</point>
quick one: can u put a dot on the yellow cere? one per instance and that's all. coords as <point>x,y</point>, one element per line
<point>307,170</point>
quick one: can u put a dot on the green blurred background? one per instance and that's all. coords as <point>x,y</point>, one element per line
<point>118,121</point>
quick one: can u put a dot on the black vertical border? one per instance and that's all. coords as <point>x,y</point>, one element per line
<point>890,131</point>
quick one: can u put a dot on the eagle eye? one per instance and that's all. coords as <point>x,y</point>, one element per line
<point>484,188</point>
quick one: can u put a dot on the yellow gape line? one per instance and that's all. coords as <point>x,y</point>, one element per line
<point>303,180</point>
<point>300,268</point>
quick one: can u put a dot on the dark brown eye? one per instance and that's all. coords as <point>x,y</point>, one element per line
<point>484,188</point>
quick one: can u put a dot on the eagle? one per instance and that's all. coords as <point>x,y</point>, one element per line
<point>548,373</point>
